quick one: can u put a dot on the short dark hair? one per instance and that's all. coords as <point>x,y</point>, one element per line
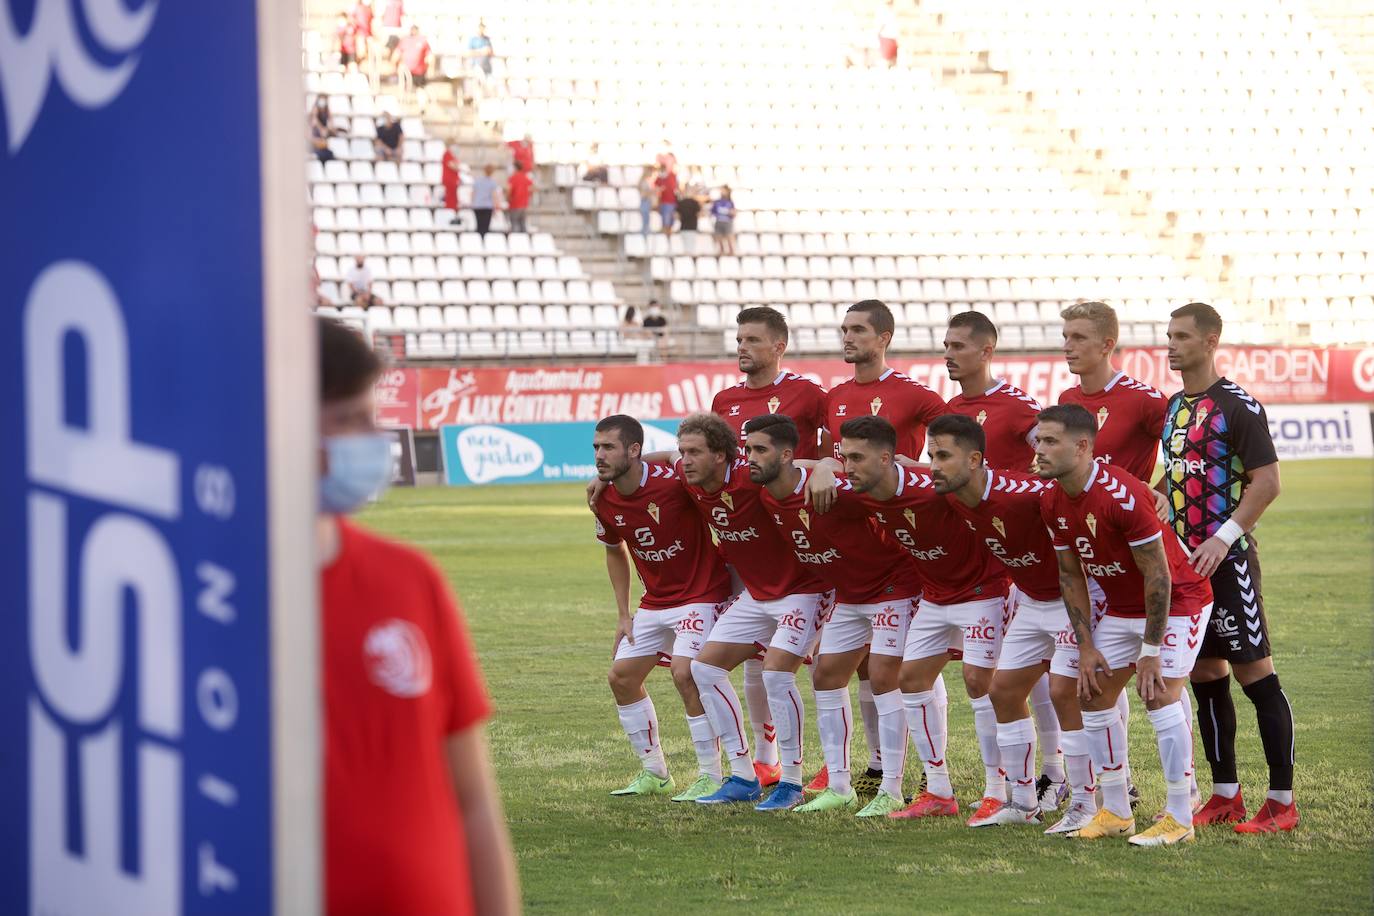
<point>965,431</point>
<point>879,315</point>
<point>1207,319</point>
<point>871,429</point>
<point>768,317</point>
<point>348,366</point>
<point>779,429</point>
<point>720,438</point>
<point>977,323</point>
<point>629,429</point>
<point>1073,417</point>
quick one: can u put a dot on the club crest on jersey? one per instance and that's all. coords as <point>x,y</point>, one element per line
<point>728,500</point>
<point>773,404</point>
<point>1102,415</point>
<point>805,518</point>
<point>734,410</point>
<point>653,511</point>
<point>1201,418</point>
<point>1092,523</point>
<point>982,417</point>
<point>841,410</point>
<point>1001,528</point>
<point>910,517</point>
<point>876,405</point>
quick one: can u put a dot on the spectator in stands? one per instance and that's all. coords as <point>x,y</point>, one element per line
<point>630,319</point>
<point>594,170</point>
<point>654,319</point>
<point>647,196</point>
<point>887,33</point>
<point>480,50</point>
<point>665,158</point>
<point>665,186</point>
<point>320,115</point>
<point>412,54</point>
<point>451,178</point>
<point>485,194</point>
<point>360,284</point>
<point>519,190</point>
<point>389,138</point>
<point>346,41</point>
<point>392,14</point>
<point>362,26</point>
<point>522,153</point>
<point>723,212</point>
<point>688,211</point>
<point>319,142</point>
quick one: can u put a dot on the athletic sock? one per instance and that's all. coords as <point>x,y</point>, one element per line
<point>1078,767</point>
<point>1175,753</point>
<point>942,700</point>
<point>1216,719</point>
<point>1275,717</point>
<point>760,717</point>
<point>892,734</point>
<point>834,721</point>
<point>1106,738</point>
<point>869,711</point>
<point>640,722</point>
<point>1187,706</point>
<point>727,720</point>
<point>985,726</point>
<point>1047,729</point>
<point>1016,741</point>
<point>706,744</point>
<point>785,702</point>
<point>927,730</point>
<point>1123,707</point>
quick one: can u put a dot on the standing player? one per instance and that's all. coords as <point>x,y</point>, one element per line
<point>1220,473</point>
<point>1003,509</point>
<point>1103,523</point>
<point>685,587</point>
<point>1006,413</point>
<point>965,595</point>
<point>760,344</point>
<point>876,588</point>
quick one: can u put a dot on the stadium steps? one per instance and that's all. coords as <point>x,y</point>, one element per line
<point>1352,25</point>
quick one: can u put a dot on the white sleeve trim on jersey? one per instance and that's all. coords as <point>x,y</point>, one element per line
<point>1154,537</point>
<point>1065,547</point>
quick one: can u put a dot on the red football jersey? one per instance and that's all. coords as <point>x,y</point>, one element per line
<point>1113,514</point>
<point>790,395</point>
<point>844,547</point>
<point>749,539</point>
<point>1008,416</point>
<point>1130,419</point>
<point>954,564</point>
<point>671,548</point>
<point>399,678</point>
<point>1007,519</point>
<point>905,403</point>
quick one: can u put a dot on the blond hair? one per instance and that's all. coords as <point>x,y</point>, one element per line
<point>1102,316</point>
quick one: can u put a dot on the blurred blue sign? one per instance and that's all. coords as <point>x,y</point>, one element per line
<point>532,452</point>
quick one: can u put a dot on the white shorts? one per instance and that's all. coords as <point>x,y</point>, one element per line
<point>976,625</point>
<point>672,631</point>
<point>1065,659</point>
<point>791,624</point>
<point>1032,636</point>
<point>1119,640</point>
<point>882,627</point>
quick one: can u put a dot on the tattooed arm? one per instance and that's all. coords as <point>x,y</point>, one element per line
<point>1153,564</point>
<point>1074,587</point>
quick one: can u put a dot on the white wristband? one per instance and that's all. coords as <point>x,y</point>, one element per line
<point>1228,532</point>
<point>1148,651</point>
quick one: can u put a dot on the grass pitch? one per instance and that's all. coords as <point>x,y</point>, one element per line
<point>532,581</point>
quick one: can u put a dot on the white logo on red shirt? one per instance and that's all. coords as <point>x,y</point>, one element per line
<point>397,658</point>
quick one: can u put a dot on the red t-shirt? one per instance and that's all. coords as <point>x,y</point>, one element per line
<point>1130,420</point>
<point>391,16</point>
<point>449,166</point>
<point>399,678</point>
<point>520,185</point>
<point>362,16</point>
<point>1113,514</point>
<point>667,188</point>
<point>790,395</point>
<point>522,153</point>
<point>749,540</point>
<point>1007,519</point>
<point>414,51</point>
<point>905,403</point>
<point>844,547</point>
<point>670,545</point>
<point>954,564</point>
<point>1008,416</point>
<point>348,41</point>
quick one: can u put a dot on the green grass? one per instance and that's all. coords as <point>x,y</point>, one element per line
<point>533,583</point>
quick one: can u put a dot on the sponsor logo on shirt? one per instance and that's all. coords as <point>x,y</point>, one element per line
<point>1104,570</point>
<point>748,534</point>
<point>1186,465</point>
<point>841,410</point>
<point>933,554</point>
<point>397,658</point>
<point>661,554</point>
<point>1029,558</point>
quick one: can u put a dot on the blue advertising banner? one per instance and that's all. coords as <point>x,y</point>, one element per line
<point>135,696</point>
<point>532,452</point>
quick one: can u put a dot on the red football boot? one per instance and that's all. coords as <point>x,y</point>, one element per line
<point>1220,810</point>
<point>818,784</point>
<point>928,805</point>
<point>768,774</point>
<point>1272,817</point>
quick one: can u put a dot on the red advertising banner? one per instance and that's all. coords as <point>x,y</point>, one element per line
<point>430,398</point>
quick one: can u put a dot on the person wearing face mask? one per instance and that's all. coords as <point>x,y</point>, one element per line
<point>413,820</point>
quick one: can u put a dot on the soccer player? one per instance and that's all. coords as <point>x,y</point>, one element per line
<point>760,344</point>
<point>1220,473</point>
<point>1003,509</point>
<point>782,607</point>
<point>965,591</point>
<point>646,517</point>
<point>1006,413</point>
<point>876,587</point>
<point>1103,524</point>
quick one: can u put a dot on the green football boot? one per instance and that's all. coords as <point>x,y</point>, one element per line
<point>647,783</point>
<point>882,805</point>
<point>704,785</point>
<point>830,800</point>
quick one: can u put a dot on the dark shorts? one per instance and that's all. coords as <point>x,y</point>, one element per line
<point>345,58</point>
<point>1238,631</point>
<point>419,79</point>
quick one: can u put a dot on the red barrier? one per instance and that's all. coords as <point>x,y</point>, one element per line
<point>429,398</point>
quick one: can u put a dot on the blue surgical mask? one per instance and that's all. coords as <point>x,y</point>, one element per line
<point>359,468</point>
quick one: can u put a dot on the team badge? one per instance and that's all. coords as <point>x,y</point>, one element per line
<point>1101,417</point>
<point>876,404</point>
<point>1201,418</point>
<point>728,500</point>
<point>805,518</point>
<point>1001,528</point>
<point>774,404</point>
<point>982,417</point>
<point>910,517</point>
<point>1092,523</point>
<point>653,512</point>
